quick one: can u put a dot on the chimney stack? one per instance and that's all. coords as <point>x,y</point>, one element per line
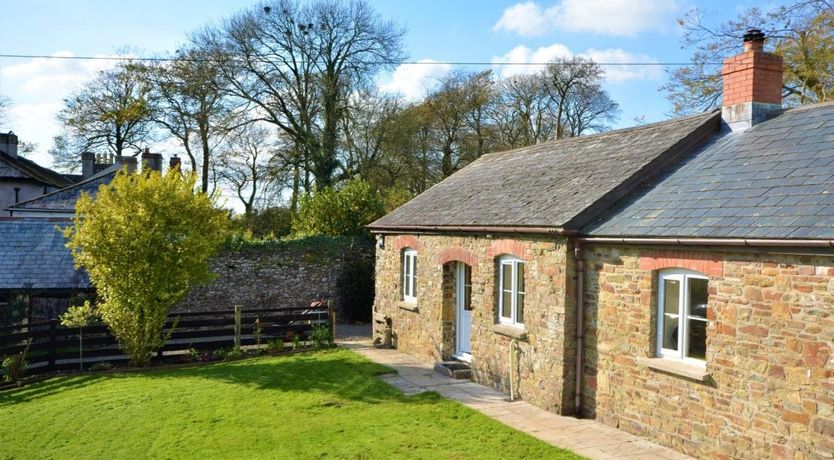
<point>152,161</point>
<point>8,144</point>
<point>126,162</point>
<point>88,164</point>
<point>174,162</point>
<point>752,84</point>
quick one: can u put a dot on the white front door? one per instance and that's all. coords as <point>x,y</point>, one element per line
<point>463,326</point>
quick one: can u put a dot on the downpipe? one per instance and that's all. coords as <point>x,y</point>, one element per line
<point>580,311</point>
<point>513,346</point>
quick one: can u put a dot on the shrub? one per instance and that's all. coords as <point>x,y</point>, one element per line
<point>322,337</point>
<point>339,212</point>
<point>275,346</point>
<point>79,316</point>
<point>14,367</point>
<point>145,240</point>
<point>234,353</point>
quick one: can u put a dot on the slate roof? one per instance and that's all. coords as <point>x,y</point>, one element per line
<point>33,251</point>
<point>19,167</point>
<point>553,184</point>
<point>64,200</point>
<point>774,180</point>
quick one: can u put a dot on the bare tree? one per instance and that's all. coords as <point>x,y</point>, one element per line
<point>5,105</point>
<point>523,112</point>
<point>111,113</point>
<point>243,162</point>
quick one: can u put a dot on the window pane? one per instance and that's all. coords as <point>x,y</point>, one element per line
<point>506,303</point>
<point>671,310</point>
<point>698,297</point>
<point>697,339</point>
<point>519,314</point>
<point>520,276</point>
<point>506,276</point>
<point>467,297</point>
<point>406,269</point>
<point>414,276</point>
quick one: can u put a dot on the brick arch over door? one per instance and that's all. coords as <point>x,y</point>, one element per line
<point>456,253</point>
<point>710,264</point>
<point>407,241</point>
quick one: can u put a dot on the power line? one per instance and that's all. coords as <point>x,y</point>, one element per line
<point>453,63</point>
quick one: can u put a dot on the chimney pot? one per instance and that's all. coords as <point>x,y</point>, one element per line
<point>126,162</point>
<point>88,164</point>
<point>174,162</point>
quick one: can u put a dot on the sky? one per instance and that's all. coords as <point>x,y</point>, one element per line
<point>438,32</point>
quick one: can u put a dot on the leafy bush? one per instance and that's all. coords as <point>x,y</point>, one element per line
<point>79,316</point>
<point>234,353</point>
<point>14,367</point>
<point>145,240</point>
<point>269,223</point>
<point>275,346</point>
<point>322,337</point>
<point>339,212</point>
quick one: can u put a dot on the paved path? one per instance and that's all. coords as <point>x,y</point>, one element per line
<point>585,437</point>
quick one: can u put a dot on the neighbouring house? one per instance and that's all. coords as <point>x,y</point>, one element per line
<point>22,179</point>
<point>35,265</point>
<point>675,280</point>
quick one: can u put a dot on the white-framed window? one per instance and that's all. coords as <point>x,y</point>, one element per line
<point>682,298</point>
<point>409,263</point>
<point>510,290</point>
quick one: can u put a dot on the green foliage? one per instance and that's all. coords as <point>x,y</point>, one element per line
<point>79,316</point>
<point>395,197</point>
<point>322,337</point>
<point>275,346</point>
<point>14,367</point>
<point>145,241</point>
<point>339,212</point>
<point>269,223</point>
<point>296,342</point>
<point>356,288</point>
<point>193,354</point>
<point>234,353</point>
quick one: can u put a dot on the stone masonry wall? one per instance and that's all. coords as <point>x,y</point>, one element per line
<point>770,336</point>
<point>286,276</point>
<point>544,372</point>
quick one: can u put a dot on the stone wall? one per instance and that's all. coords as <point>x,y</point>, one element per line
<point>544,371</point>
<point>770,391</point>
<point>283,275</point>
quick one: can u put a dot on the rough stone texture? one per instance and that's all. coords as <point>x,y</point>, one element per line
<point>273,278</point>
<point>544,372</point>
<point>769,356</point>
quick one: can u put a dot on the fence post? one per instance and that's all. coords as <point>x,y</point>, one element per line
<point>53,326</point>
<point>237,326</point>
<point>331,317</point>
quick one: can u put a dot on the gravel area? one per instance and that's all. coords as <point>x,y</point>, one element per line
<point>353,332</point>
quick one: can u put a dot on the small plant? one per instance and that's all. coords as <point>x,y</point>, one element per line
<point>275,346</point>
<point>322,338</point>
<point>193,354</point>
<point>79,316</point>
<point>234,353</point>
<point>296,342</point>
<point>14,367</point>
<point>257,331</point>
<point>102,366</point>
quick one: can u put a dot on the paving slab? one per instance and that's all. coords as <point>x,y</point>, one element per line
<point>589,438</point>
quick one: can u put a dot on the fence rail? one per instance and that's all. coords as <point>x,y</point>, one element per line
<point>54,347</point>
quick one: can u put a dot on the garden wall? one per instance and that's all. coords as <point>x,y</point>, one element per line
<point>290,274</point>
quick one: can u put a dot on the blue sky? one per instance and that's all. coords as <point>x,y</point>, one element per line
<point>460,30</point>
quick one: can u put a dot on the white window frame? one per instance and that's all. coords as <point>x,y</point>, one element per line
<point>409,276</point>
<point>682,276</point>
<point>514,262</point>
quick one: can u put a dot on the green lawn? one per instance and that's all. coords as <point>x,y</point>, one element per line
<point>315,405</point>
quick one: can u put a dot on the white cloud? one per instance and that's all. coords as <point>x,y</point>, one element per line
<point>413,81</point>
<point>605,17</point>
<point>36,123</point>
<point>55,73</point>
<point>524,56</point>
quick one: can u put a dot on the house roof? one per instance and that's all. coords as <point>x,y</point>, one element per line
<point>774,180</point>
<point>63,200</point>
<point>21,168</point>
<point>33,254</point>
<point>558,184</point>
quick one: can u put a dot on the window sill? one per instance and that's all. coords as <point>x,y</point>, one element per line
<point>679,368</point>
<point>516,332</point>
<point>410,306</point>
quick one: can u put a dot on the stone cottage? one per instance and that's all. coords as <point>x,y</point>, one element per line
<point>675,280</point>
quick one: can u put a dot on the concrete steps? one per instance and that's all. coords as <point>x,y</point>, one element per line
<point>454,369</point>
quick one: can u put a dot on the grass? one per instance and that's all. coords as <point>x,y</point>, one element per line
<point>316,405</point>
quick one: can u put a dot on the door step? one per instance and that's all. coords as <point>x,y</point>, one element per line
<point>454,369</point>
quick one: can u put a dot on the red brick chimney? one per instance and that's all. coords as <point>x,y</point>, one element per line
<point>752,83</point>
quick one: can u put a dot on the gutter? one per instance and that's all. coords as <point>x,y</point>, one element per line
<point>737,242</point>
<point>383,229</point>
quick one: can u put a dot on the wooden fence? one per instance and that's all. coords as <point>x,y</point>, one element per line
<point>54,347</point>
